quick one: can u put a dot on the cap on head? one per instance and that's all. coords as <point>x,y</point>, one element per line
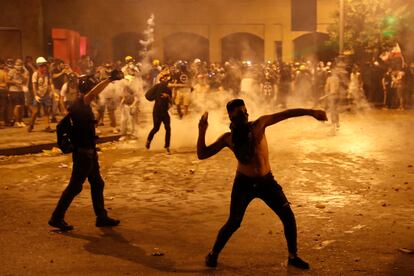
<point>41,61</point>
<point>129,59</point>
<point>233,104</point>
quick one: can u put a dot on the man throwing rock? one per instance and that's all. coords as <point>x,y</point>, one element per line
<point>254,178</point>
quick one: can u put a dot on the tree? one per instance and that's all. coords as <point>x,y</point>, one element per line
<point>370,27</point>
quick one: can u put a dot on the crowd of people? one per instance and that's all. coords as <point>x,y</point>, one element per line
<point>47,87</point>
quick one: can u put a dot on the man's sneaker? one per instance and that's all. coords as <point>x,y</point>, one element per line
<point>211,259</point>
<point>168,150</point>
<point>61,224</point>
<point>47,129</point>
<point>22,124</point>
<point>298,262</point>
<point>147,144</point>
<point>115,130</point>
<point>106,222</point>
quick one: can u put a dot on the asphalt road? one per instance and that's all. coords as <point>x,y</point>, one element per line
<point>351,192</point>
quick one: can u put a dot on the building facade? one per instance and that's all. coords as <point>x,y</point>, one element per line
<point>213,30</point>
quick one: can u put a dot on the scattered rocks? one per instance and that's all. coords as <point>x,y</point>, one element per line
<point>147,176</point>
<point>320,206</point>
<point>324,244</point>
<point>406,250</point>
<point>359,226</point>
<point>157,252</point>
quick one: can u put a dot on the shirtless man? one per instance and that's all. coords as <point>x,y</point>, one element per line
<point>254,178</point>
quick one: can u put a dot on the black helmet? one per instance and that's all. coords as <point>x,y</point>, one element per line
<point>86,83</point>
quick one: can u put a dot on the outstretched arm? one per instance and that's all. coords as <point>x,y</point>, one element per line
<point>203,151</point>
<point>272,119</point>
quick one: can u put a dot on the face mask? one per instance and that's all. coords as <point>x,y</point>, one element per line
<point>240,118</point>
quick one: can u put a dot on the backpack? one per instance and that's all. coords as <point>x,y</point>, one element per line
<point>151,94</point>
<point>64,134</point>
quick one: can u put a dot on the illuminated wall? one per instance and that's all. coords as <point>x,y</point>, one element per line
<point>101,21</point>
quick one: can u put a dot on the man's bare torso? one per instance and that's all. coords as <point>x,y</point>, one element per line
<point>259,164</point>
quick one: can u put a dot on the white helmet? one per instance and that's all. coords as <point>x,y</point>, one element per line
<point>41,60</point>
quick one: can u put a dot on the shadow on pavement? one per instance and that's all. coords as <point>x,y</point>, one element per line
<point>112,243</point>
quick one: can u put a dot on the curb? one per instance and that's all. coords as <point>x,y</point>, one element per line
<point>48,146</point>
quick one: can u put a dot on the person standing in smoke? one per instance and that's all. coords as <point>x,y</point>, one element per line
<point>130,70</point>
<point>387,88</point>
<point>84,155</point>
<point>162,95</point>
<point>182,87</point>
<point>254,178</point>
<point>285,83</point>
<point>332,95</point>
<point>268,86</point>
<point>129,108</point>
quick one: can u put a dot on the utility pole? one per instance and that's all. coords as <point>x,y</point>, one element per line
<point>341,27</point>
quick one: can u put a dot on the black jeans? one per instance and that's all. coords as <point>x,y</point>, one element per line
<point>158,119</point>
<point>85,165</point>
<point>245,189</point>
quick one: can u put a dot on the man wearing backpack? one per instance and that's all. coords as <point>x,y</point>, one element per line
<point>162,95</point>
<point>84,156</point>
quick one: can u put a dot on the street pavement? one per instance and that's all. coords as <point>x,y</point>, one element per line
<point>351,192</point>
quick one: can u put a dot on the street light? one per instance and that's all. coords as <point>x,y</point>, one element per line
<point>341,27</point>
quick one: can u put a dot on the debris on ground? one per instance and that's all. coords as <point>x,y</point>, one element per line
<point>406,250</point>
<point>52,152</point>
<point>324,244</point>
<point>157,252</point>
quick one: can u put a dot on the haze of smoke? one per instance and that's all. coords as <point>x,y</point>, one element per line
<point>147,51</point>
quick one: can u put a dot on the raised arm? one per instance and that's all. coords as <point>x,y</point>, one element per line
<point>95,91</point>
<point>115,75</point>
<point>203,151</point>
<point>268,120</point>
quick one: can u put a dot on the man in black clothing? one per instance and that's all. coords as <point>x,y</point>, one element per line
<point>162,95</point>
<point>254,178</point>
<point>84,156</point>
